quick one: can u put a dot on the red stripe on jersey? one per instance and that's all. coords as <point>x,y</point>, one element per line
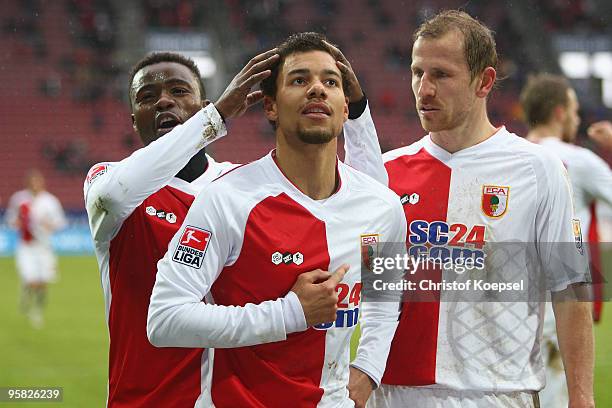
<point>24,222</point>
<point>141,375</point>
<point>412,358</point>
<point>281,374</point>
<point>596,269</point>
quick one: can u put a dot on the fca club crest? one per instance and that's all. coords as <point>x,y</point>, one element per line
<point>369,249</point>
<point>495,200</point>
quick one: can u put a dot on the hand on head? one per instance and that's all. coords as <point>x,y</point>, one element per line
<point>237,97</point>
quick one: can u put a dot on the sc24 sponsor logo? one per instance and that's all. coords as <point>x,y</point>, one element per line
<point>441,233</point>
<point>347,314</point>
<point>439,239</point>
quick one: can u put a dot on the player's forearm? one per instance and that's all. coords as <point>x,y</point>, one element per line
<point>378,324</point>
<point>198,324</point>
<point>361,146</point>
<point>575,334</point>
<point>127,183</point>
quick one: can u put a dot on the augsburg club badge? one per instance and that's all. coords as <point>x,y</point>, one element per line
<point>495,200</point>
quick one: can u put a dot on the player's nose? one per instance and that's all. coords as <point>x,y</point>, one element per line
<point>426,87</point>
<point>165,101</point>
<point>317,90</point>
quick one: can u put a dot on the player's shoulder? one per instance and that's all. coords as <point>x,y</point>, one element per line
<point>535,154</point>
<point>96,171</point>
<point>50,197</point>
<point>367,187</point>
<point>403,151</point>
<point>20,196</point>
<point>237,182</point>
<point>220,167</point>
<point>238,175</point>
<point>586,158</point>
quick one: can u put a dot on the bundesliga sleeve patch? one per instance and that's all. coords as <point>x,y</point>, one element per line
<point>192,246</point>
<point>577,235</point>
<point>96,172</point>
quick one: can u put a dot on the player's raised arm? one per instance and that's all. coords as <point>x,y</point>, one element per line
<point>113,190</point>
<point>361,146</point>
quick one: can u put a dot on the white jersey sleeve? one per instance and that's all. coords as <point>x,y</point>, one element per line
<point>204,245</point>
<point>113,190</point>
<point>379,319</point>
<point>558,233</point>
<point>362,150</point>
<point>597,177</point>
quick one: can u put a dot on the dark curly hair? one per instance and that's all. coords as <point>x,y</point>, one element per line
<point>157,57</point>
<point>296,43</point>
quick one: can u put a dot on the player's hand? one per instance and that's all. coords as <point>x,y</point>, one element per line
<point>354,89</point>
<point>316,291</point>
<point>237,97</point>
<point>601,133</point>
<point>360,387</point>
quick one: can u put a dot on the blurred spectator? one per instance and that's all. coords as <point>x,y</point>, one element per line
<point>35,214</point>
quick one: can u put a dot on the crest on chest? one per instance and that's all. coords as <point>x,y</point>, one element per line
<point>495,200</point>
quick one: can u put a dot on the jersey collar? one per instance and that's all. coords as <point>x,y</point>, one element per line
<point>442,155</point>
<point>279,172</point>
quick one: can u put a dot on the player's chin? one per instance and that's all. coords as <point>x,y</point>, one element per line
<point>432,126</point>
<point>316,135</point>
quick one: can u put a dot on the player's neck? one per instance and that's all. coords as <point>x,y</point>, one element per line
<point>540,132</point>
<point>473,130</point>
<point>310,167</point>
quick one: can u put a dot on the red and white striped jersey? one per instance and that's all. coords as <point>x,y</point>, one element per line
<point>244,242</point>
<point>502,190</point>
<point>35,216</point>
<point>135,206</point>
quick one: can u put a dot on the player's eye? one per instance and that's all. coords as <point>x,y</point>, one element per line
<point>179,91</point>
<point>298,81</point>
<point>145,97</point>
<point>417,72</point>
<point>331,82</point>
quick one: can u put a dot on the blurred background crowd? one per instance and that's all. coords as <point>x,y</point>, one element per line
<point>65,68</point>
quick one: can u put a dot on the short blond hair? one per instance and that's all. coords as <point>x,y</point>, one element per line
<point>478,42</point>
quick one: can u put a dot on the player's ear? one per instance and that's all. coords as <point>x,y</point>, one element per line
<point>486,80</point>
<point>270,108</point>
<point>134,123</point>
<point>558,113</point>
<point>346,108</point>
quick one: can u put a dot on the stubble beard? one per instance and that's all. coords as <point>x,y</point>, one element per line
<point>315,136</point>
